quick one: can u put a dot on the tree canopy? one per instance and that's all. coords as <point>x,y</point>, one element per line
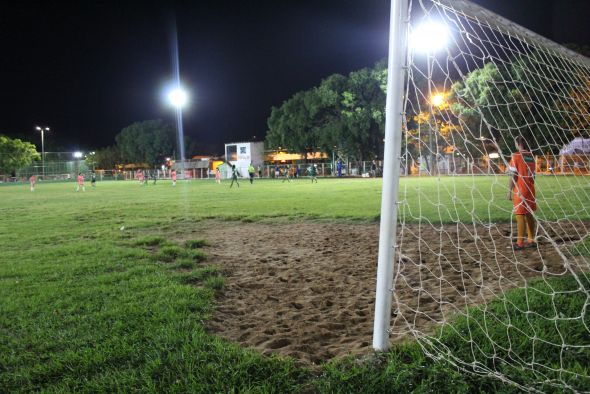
<point>342,114</point>
<point>16,154</point>
<point>146,142</point>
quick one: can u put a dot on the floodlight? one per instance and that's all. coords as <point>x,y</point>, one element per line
<point>429,36</point>
<point>178,97</point>
<point>438,99</point>
<point>77,155</point>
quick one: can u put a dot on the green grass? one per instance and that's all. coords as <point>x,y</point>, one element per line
<point>96,294</point>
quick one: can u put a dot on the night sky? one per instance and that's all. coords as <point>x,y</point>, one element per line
<point>88,69</point>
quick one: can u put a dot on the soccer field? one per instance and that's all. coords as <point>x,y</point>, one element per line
<point>110,289</point>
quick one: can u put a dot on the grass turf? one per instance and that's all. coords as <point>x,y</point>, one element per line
<point>88,304</point>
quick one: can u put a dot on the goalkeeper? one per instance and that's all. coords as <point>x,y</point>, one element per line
<point>522,193</point>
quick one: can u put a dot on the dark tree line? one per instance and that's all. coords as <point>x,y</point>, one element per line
<point>343,115</point>
<point>144,143</point>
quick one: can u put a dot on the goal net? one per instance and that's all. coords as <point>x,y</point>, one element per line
<point>466,286</point>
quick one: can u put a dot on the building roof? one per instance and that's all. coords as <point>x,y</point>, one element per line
<point>576,146</point>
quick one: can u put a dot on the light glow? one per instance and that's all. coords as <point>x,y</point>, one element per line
<point>77,155</point>
<point>429,37</point>
<point>438,100</point>
<point>178,97</point>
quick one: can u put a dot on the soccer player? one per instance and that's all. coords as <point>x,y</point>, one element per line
<point>234,176</point>
<point>287,174</point>
<point>217,175</point>
<point>173,175</point>
<point>93,179</point>
<point>521,192</point>
<point>32,181</point>
<point>251,172</point>
<point>313,172</point>
<point>80,180</point>
<point>140,176</point>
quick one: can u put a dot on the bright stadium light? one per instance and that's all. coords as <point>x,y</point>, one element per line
<point>429,37</point>
<point>78,155</point>
<point>42,130</point>
<point>178,97</point>
<point>438,99</point>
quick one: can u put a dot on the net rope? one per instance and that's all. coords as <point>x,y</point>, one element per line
<point>460,287</point>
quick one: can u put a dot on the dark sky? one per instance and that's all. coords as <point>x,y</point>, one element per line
<point>87,69</point>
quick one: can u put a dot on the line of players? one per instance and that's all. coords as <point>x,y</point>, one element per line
<point>289,174</point>
<point>81,186</point>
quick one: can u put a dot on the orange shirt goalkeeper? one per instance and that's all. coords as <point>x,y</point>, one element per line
<point>522,193</point>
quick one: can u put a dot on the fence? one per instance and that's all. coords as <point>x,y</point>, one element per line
<point>565,165</point>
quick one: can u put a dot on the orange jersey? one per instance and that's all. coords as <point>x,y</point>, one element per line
<point>522,168</point>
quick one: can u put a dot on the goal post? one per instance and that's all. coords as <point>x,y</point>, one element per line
<point>391,170</point>
<point>484,245</point>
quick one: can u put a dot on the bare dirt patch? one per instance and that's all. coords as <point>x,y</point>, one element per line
<point>307,289</point>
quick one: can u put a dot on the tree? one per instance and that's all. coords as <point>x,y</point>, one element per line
<point>489,103</point>
<point>146,142</point>
<point>343,113</point>
<point>522,97</point>
<point>363,113</point>
<point>16,154</point>
<point>107,158</point>
<point>293,125</point>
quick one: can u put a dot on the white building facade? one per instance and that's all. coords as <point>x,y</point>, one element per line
<point>241,154</point>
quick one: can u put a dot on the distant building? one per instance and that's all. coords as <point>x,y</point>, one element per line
<point>577,146</point>
<point>241,154</point>
<point>574,157</point>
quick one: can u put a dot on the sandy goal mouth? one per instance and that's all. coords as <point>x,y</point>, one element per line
<point>307,289</point>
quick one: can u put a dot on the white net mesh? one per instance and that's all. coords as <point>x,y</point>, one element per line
<point>461,287</point>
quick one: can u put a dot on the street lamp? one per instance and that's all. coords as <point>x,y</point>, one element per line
<point>42,130</point>
<point>77,155</point>
<point>430,37</point>
<point>178,98</point>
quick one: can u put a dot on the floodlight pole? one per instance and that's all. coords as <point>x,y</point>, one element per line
<point>397,62</point>
<point>42,130</point>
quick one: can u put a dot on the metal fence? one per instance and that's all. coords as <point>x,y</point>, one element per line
<point>68,170</point>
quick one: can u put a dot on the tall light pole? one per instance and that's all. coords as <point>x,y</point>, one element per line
<point>43,130</point>
<point>178,97</point>
<point>428,38</point>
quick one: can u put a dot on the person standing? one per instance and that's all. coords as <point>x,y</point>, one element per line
<point>32,181</point>
<point>287,174</point>
<point>80,181</point>
<point>251,172</point>
<point>339,168</point>
<point>93,179</point>
<point>234,176</point>
<point>217,175</point>
<point>313,173</point>
<point>173,176</point>
<point>521,191</point>
<point>374,169</point>
<point>259,171</point>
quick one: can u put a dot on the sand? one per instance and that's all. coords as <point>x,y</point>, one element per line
<point>307,289</point>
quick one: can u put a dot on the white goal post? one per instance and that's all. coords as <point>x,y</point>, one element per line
<point>470,259</point>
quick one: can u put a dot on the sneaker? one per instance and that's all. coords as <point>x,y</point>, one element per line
<point>530,245</point>
<point>517,246</point>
